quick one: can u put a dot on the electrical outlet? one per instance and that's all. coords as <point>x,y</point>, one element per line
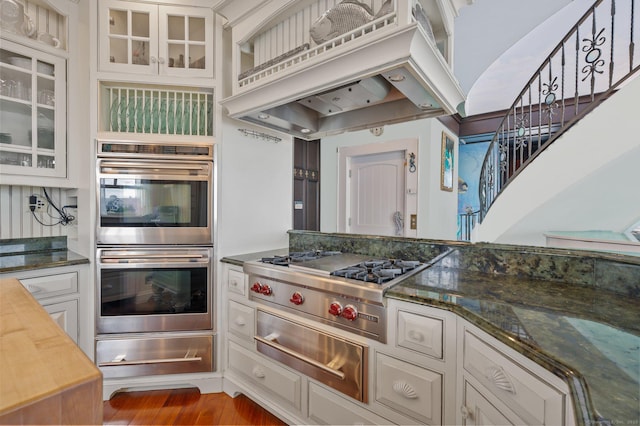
<point>413,224</point>
<point>36,203</point>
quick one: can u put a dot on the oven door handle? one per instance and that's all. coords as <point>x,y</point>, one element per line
<point>113,166</point>
<point>339,374</point>
<point>150,256</point>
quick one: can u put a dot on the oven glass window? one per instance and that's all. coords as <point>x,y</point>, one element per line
<point>145,291</point>
<point>127,202</point>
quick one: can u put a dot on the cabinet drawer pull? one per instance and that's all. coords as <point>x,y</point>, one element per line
<point>404,389</point>
<point>500,379</point>
<point>258,372</point>
<point>416,336</point>
<point>34,288</point>
<point>240,321</point>
<point>270,341</point>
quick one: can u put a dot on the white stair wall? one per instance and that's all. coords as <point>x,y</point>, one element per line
<point>588,179</point>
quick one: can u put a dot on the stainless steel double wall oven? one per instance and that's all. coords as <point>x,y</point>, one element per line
<point>154,258</point>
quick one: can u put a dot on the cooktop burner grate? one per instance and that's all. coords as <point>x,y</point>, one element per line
<point>377,271</point>
<point>301,256</point>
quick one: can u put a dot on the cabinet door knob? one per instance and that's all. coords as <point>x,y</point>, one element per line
<point>466,413</point>
<point>416,335</point>
<point>258,372</point>
<point>161,60</point>
<point>154,59</point>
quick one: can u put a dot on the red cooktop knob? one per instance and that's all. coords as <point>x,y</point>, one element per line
<point>335,309</point>
<point>256,287</point>
<point>350,313</point>
<point>297,298</point>
<point>266,289</point>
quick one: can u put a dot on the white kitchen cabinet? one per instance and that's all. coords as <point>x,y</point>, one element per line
<point>419,333</point>
<point>236,282</point>
<point>146,38</point>
<point>409,389</point>
<point>57,290</point>
<point>276,383</point>
<point>241,320</point>
<point>33,113</point>
<point>529,393</point>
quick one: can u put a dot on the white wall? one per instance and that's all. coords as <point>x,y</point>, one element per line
<point>486,29</point>
<point>255,191</point>
<point>437,210</point>
<point>586,180</point>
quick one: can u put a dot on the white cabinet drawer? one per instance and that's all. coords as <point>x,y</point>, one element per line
<point>409,389</point>
<point>235,282</point>
<point>326,407</point>
<point>51,285</point>
<point>534,400</point>
<point>241,320</point>
<point>275,380</point>
<point>420,333</point>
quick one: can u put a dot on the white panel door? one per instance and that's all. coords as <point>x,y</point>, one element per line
<point>376,188</point>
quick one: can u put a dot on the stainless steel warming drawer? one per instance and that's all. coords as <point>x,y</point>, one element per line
<point>143,356</point>
<point>332,360</point>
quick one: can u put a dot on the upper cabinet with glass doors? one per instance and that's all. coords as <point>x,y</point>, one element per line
<point>32,112</point>
<point>145,38</point>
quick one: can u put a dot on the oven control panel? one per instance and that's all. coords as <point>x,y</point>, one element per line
<point>365,319</point>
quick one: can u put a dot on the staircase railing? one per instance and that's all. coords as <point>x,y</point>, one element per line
<point>592,61</point>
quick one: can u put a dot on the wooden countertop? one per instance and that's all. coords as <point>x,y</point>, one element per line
<point>41,368</point>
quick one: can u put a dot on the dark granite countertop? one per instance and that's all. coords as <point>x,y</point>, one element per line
<point>588,336</point>
<point>36,253</point>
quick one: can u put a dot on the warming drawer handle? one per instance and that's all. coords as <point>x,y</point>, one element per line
<point>339,374</point>
<point>120,360</point>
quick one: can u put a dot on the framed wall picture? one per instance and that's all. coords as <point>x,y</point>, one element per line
<point>446,167</point>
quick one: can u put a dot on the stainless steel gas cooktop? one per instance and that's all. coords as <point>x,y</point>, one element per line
<point>341,289</point>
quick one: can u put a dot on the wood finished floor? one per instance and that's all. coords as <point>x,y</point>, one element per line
<point>184,407</point>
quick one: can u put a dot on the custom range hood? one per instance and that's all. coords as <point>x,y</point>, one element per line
<point>394,68</point>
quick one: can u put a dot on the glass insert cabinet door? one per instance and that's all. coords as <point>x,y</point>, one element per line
<point>128,36</point>
<point>153,39</point>
<point>32,112</point>
<point>186,36</point>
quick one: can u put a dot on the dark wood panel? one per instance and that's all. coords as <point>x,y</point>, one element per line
<point>184,407</point>
<point>306,185</point>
